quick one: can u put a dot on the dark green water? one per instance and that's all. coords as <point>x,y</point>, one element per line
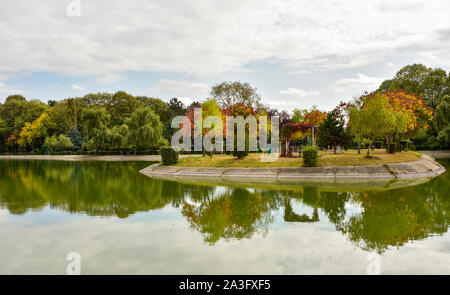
<point>122,222</point>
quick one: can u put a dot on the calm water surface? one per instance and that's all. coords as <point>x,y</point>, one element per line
<point>122,222</point>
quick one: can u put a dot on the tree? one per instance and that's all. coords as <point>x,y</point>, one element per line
<point>228,94</point>
<point>145,129</point>
<point>175,108</point>
<point>33,134</point>
<point>58,143</point>
<point>355,120</point>
<point>332,132</point>
<point>120,107</point>
<point>236,111</point>
<point>298,115</point>
<point>314,116</point>
<point>3,134</point>
<point>410,111</point>
<point>442,123</point>
<point>210,108</point>
<point>117,137</point>
<point>431,84</point>
<point>75,137</point>
<point>16,111</point>
<point>377,118</point>
<point>95,128</point>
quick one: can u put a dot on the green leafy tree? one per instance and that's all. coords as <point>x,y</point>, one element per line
<point>355,122</point>
<point>58,143</point>
<point>377,118</point>
<point>210,108</point>
<point>95,128</point>
<point>228,94</point>
<point>144,129</point>
<point>118,137</point>
<point>298,115</point>
<point>120,107</point>
<point>442,122</point>
<point>3,134</point>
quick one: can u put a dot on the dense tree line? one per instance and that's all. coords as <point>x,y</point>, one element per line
<point>101,121</point>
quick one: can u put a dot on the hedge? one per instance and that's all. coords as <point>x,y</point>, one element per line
<point>168,155</point>
<point>309,154</point>
<point>392,148</point>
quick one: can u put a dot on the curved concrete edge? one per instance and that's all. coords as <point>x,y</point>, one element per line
<point>426,167</point>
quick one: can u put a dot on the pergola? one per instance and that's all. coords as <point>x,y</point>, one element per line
<point>291,128</point>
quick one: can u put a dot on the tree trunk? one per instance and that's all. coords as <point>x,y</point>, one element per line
<point>359,144</point>
<point>334,149</point>
<point>368,148</point>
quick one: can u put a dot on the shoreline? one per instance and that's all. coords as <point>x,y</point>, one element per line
<point>108,158</point>
<point>426,167</point>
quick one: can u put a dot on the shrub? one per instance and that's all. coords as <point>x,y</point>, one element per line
<point>310,155</point>
<point>392,148</point>
<point>241,154</point>
<point>168,155</point>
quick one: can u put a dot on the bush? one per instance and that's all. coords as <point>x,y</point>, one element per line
<point>310,155</point>
<point>241,154</point>
<point>392,148</point>
<point>168,155</point>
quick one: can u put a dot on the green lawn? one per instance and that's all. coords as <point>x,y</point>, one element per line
<point>348,158</point>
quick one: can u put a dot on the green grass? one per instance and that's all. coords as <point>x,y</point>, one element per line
<point>348,158</point>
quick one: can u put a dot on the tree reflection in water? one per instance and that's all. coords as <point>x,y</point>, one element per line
<point>385,217</point>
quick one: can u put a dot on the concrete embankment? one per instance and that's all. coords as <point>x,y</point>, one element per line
<point>424,168</point>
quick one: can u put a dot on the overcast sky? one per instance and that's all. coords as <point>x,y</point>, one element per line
<point>296,53</point>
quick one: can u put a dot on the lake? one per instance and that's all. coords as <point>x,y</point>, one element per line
<point>122,222</point>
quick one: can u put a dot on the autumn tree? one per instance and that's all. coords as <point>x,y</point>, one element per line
<point>431,84</point>
<point>34,134</point>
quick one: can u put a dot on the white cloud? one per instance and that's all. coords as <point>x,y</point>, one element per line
<point>10,89</point>
<point>110,78</point>
<point>204,37</point>
<point>77,87</point>
<point>357,85</point>
<point>292,98</point>
<point>181,88</point>
<point>296,92</point>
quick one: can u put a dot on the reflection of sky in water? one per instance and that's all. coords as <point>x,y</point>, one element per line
<point>159,242</point>
<point>162,240</point>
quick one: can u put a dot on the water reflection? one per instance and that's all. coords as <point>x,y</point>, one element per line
<point>373,220</point>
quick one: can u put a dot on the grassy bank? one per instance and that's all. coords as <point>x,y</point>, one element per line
<point>348,158</point>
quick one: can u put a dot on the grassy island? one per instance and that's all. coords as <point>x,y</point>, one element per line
<point>347,158</point>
